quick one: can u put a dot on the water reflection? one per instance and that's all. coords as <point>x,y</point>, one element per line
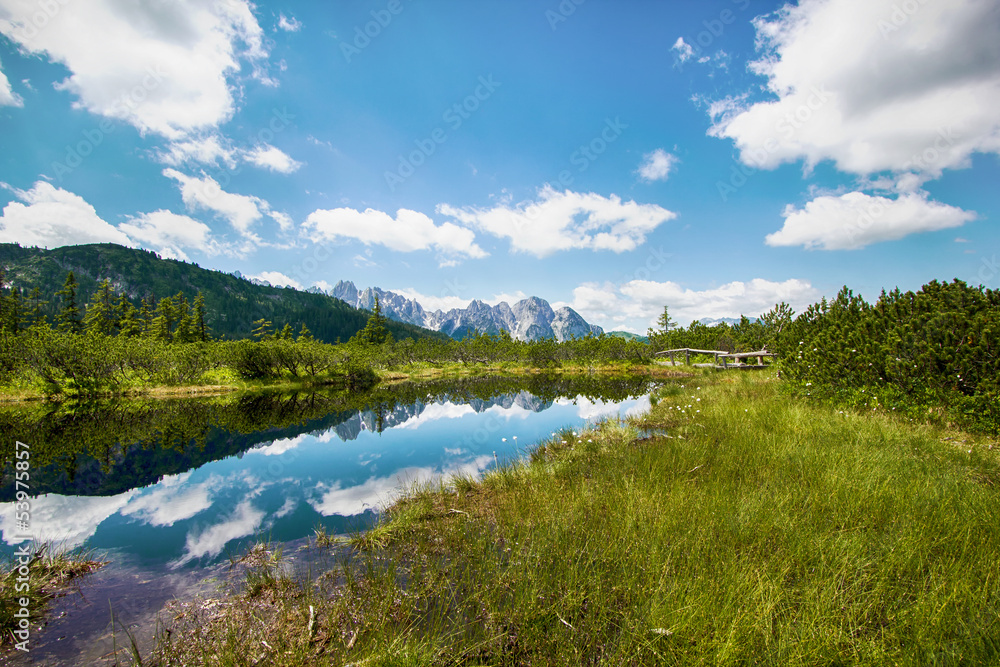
<point>179,483</point>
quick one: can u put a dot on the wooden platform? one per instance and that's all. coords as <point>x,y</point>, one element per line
<point>723,356</point>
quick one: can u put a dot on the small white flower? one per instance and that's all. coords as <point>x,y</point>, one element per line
<point>503,439</point>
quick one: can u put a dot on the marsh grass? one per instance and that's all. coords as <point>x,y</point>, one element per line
<point>50,571</point>
<point>746,529</point>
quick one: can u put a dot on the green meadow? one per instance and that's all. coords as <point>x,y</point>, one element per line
<point>733,524</point>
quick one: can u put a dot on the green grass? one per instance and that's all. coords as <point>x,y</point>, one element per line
<point>49,571</point>
<point>753,528</point>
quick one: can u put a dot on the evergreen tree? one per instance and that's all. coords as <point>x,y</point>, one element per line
<point>305,334</point>
<point>69,316</point>
<point>162,326</point>
<point>130,323</point>
<point>34,314</point>
<point>185,324</point>
<point>200,328</point>
<point>375,332</point>
<point>287,333</point>
<point>145,316</point>
<point>103,315</point>
<point>13,321</point>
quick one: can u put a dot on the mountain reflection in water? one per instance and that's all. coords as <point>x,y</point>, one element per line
<point>175,483</point>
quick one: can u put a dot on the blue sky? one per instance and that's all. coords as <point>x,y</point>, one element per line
<point>713,157</point>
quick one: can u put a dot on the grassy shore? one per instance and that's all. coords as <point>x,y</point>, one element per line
<point>48,572</point>
<point>226,381</point>
<point>731,525</point>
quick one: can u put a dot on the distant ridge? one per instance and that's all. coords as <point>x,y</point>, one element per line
<point>527,320</point>
<point>233,302</point>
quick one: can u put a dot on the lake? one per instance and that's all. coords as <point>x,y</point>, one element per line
<point>168,490</point>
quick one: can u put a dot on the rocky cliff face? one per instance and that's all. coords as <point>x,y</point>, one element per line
<point>528,319</point>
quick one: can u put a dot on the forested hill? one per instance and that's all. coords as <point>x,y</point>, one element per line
<point>233,304</point>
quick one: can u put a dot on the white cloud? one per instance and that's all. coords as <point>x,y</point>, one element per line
<point>637,304</point>
<point>371,494</point>
<point>566,220</point>
<point>52,217</point>
<point>213,148</point>
<point>168,233</point>
<point>65,521</point>
<point>242,211</point>
<point>8,98</point>
<point>278,447</point>
<point>855,220</point>
<point>171,500</point>
<point>916,91</point>
<point>656,166</point>
<point>683,49</point>
<point>210,542</point>
<point>288,24</point>
<point>407,232</point>
<point>160,66</point>
<point>435,412</point>
<point>509,297</point>
<point>202,150</point>
<point>277,279</point>
<point>273,158</point>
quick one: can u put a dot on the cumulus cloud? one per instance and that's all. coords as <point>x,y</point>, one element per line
<point>52,217</point>
<point>8,97</point>
<point>565,220</point>
<point>855,220</point>
<point>637,304</point>
<point>656,166</point>
<point>171,500</point>
<point>916,92</point>
<point>244,521</point>
<point>168,234</point>
<point>163,67</point>
<point>275,159</point>
<point>684,50</point>
<point>407,232</point>
<point>331,499</point>
<point>65,521</point>
<point>242,211</point>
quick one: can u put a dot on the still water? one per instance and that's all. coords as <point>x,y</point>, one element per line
<point>167,490</point>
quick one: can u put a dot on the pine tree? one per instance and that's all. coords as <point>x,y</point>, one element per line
<point>162,326</point>
<point>15,312</point>
<point>69,316</point>
<point>286,332</point>
<point>130,324</point>
<point>34,315</point>
<point>305,334</point>
<point>200,328</point>
<point>103,315</point>
<point>145,316</point>
<point>375,332</point>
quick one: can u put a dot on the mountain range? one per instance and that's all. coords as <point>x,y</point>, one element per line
<point>233,302</point>
<point>527,320</point>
